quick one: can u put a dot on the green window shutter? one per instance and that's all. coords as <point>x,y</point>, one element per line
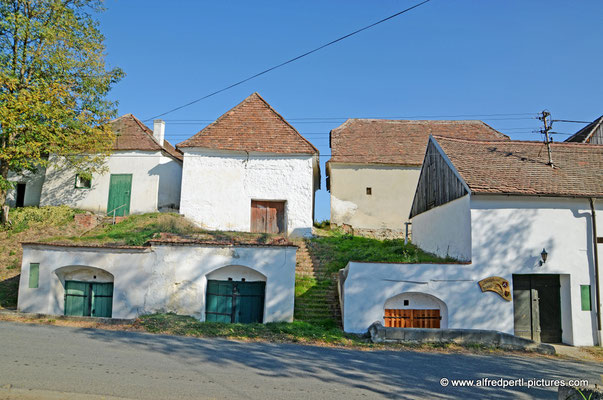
<point>585,295</point>
<point>34,274</point>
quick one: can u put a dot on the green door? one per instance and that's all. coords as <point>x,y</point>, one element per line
<point>87,299</point>
<point>120,188</point>
<point>102,300</point>
<point>77,298</point>
<point>230,301</point>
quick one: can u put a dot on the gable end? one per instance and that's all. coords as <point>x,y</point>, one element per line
<point>438,182</point>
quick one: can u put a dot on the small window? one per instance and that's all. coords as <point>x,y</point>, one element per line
<point>34,273</point>
<point>82,182</point>
<point>585,295</point>
<point>406,302</point>
<point>369,191</point>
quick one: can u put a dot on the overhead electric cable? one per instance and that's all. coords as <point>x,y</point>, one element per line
<point>288,61</point>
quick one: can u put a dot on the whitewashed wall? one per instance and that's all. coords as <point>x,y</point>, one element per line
<point>507,237</point>
<point>155,183</point>
<point>445,230</point>
<point>33,187</point>
<point>217,188</point>
<point>158,279</point>
<point>387,207</point>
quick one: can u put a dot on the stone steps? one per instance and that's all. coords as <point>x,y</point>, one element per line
<point>321,301</point>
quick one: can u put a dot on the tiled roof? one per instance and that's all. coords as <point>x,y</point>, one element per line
<point>131,134</point>
<point>584,135</point>
<point>252,125</point>
<point>518,167</point>
<point>381,141</point>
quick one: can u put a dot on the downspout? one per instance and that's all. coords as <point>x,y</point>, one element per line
<point>596,253</point>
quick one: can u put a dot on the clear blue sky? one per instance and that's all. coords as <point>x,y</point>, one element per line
<point>442,59</point>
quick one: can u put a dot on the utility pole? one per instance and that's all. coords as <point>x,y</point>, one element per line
<point>545,117</point>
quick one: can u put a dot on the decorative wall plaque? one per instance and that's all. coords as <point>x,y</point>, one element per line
<point>497,285</point>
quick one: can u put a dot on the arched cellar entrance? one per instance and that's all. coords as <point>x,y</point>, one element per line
<point>415,310</point>
<point>88,291</point>
<point>235,294</point>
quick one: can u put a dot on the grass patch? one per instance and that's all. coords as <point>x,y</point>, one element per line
<point>24,218</point>
<point>294,332</point>
<point>336,249</point>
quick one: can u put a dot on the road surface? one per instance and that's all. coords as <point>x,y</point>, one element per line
<point>50,362</point>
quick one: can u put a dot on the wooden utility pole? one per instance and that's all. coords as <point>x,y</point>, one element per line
<point>545,117</point>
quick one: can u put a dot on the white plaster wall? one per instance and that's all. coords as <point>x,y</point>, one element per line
<point>388,207</point>
<point>445,230</point>
<point>508,234</point>
<point>217,188</point>
<point>155,183</point>
<point>159,279</point>
<point>33,187</point>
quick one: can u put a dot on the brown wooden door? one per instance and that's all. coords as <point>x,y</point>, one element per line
<point>402,318</point>
<point>267,216</point>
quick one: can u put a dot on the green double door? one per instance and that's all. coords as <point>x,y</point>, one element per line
<point>230,301</point>
<point>120,188</point>
<point>88,299</point>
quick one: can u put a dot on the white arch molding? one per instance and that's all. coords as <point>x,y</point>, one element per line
<point>418,301</point>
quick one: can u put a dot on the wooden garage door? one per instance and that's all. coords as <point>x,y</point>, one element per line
<point>398,318</point>
<point>267,216</point>
<point>230,301</point>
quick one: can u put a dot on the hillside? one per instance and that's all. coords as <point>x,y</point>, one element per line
<point>318,258</point>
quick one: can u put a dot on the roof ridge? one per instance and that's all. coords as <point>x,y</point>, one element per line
<point>569,144</point>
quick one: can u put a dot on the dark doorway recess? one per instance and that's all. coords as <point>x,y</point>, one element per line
<point>537,307</point>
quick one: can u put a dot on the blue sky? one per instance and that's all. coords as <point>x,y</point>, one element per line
<point>445,58</point>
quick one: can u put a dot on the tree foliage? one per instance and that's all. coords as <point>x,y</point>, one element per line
<point>53,86</point>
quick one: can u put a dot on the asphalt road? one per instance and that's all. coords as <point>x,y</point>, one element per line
<point>48,362</point>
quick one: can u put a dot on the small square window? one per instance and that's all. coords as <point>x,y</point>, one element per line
<point>82,182</point>
<point>369,191</point>
<point>406,302</point>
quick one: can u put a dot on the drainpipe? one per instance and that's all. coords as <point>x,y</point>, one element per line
<point>596,253</point>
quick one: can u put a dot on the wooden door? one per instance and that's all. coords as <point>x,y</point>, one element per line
<point>120,187</point>
<point>412,318</point>
<point>102,300</point>
<point>267,216</point>
<point>537,307</point>
<point>77,298</point>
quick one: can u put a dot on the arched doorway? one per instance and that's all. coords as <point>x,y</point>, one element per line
<point>88,291</point>
<point>415,310</point>
<point>235,294</point>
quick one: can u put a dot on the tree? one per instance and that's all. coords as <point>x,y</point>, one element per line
<point>53,87</point>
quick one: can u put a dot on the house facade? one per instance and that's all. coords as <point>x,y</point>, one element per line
<point>375,165</point>
<point>250,170</point>
<point>524,235</point>
<point>142,174</point>
<point>591,133</point>
<point>210,280</point>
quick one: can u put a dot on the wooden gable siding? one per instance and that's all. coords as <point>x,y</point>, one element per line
<point>438,184</point>
<point>597,136</point>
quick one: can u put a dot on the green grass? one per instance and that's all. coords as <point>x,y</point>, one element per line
<point>337,249</point>
<point>297,331</point>
<point>24,218</point>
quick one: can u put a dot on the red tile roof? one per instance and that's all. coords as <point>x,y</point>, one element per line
<point>519,167</point>
<point>131,134</point>
<point>252,125</point>
<point>381,141</point>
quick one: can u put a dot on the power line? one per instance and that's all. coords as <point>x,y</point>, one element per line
<point>571,121</point>
<point>289,61</point>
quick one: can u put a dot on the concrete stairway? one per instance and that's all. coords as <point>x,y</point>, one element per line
<point>320,300</point>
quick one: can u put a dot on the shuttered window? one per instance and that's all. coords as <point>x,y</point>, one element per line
<point>585,295</point>
<point>34,273</point>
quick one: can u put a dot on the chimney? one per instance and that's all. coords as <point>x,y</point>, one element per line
<point>159,130</point>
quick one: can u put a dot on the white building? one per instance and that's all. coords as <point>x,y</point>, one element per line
<point>250,170</point>
<point>375,166</point>
<point>506,214</point>
<point>211,280</point>
<point>143,174</point>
